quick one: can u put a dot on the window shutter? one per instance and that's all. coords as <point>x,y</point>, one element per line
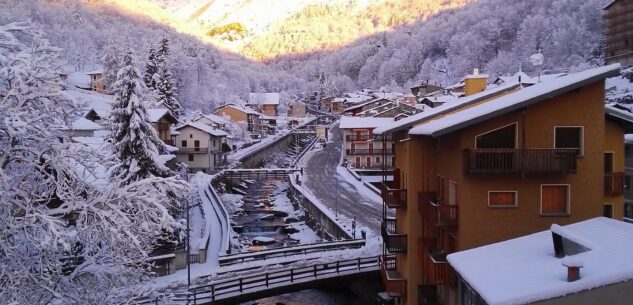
<point>554,199</point>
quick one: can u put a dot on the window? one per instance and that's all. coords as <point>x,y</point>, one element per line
<point>608,162</point>
<point>196,143</point>
<point>190,136</point>
<point>502,198</point>
<point>190,157</point>
<point>183,143</point>
<point>568,137</point>
<point>504,137</point>
<point>377,160</point>
<point>607,210</point>
<point>554,199</point>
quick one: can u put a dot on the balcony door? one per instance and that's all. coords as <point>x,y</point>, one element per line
<point>608,162</point>
<point>196,145</point>
<point>495,149</point>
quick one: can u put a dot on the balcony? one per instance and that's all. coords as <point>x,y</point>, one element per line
<point>439,215</point>
<point>393,198</point>
<point>394,242</point>
<point>365,138</point>
<point>193,150</point>
<point>613,184</point>
<point>376,151</point>
<point>502,161</point>
<point>395,284</point>
<point>436,270</point>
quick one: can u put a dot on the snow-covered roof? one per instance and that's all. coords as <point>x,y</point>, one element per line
<point>609,4</point>
<point>97,71</point>
<point>204,127</point>
<point>524,270</point>
<point>365,103</point>
<point>79,80</point>
<point>442,99</point>
<point>443,109</point>
<point>525,79</point>
<point>158,113</point>
<point>263,98</point>
<point>242,109</point>
<point>348,122</point>
<point>216,119</point>
<point>84,124</point>
<point>513,101</point>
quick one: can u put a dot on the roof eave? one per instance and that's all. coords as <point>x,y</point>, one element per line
<point>528,102</point>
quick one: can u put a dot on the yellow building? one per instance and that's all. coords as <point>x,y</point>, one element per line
<point>498,164</point>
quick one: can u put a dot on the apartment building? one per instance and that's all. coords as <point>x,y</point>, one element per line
<point>360,149</point>
<point>501,163</point>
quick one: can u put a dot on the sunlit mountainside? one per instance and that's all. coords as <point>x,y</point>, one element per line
<point>267,28</point>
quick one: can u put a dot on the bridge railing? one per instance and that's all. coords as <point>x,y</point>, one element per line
<point>223,289</point>
<point>289,251</point>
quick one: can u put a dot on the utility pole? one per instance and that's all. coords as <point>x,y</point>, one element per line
<point>188,247</point>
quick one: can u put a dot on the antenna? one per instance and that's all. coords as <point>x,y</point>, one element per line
<point>537,59</point>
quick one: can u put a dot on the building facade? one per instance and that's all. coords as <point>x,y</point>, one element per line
<point>239,114</point>
<point>200,146</point>
<point>505,166</point>
<point>618,32</point>
<point>360,148</point>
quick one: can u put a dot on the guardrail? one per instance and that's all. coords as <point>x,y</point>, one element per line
<point>224,220</point>
<point>310,146</point>
<point>289,251</point>
<point>227,288</point>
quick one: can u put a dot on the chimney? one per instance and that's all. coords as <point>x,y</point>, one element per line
<point>573,268</point>
<point>475,83</point>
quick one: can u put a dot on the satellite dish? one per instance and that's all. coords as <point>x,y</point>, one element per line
<point>537,59</point>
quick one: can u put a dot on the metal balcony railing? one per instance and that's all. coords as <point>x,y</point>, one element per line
<point>614,184</point>
<point>193,150</point>
<point>439,215</point>
<point>531,161</point>
<point>393,198</point>
<point>394,242</point>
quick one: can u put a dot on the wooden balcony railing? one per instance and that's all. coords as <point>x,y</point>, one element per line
<point>376,138</point>
<point>613,184</point>
<point>374,151</point>
<point>435,268</point>
<point>531,161</point>
<point>393,198</point>
<point>395,284</point>
<point>394,242</point>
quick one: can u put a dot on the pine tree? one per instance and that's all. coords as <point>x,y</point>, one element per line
<point>164,90</point>
<point>132,138</point>
<point>111,64</point>
<point>150,69</point>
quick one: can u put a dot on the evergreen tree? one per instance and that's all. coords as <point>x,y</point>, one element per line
<point>111,64</point>
<point>132,137</point>
<point>164,90</point>
<point>150,69</point>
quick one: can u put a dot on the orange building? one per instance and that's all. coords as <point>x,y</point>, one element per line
<point>241,114</point>
<point>500,163</point>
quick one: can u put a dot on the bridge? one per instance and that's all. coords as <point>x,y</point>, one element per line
<point>229,288</point>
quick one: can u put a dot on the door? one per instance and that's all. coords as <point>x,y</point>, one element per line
<point>371,148</point>
<point>358,136</point>
<point>196,145</point>
<point>368,161</point>
<point>353,148</point>
<point>357,163</point>
<point>608,162</point>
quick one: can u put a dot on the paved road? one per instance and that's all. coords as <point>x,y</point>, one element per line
<point>333,190</point>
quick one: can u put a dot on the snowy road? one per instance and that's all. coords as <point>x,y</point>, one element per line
<point>336,192</point>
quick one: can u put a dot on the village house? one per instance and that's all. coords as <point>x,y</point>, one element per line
<point>584,263</point>
<point>338,105</point>
<point>501,163</point>
<point>266,103</point>
<point>201,146</point>
<point>214,121</point>
<point>297,109</point>
<point>425,89</point>
<point>162,121</point>
<point>83,127</point>
<point>618,23</point>
<point>96,81</point>
<point>360,150</point>
<point>326,104</point>
<point>354,110</point>
<point>241,114</point>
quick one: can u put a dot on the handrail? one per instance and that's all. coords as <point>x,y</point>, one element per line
<point>510,161</point>
<point>288,251</point>
<point>305,150</point>
<point>241,284</point>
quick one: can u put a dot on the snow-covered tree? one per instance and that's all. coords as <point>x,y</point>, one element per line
<point>111,64</point>
<point>164,83</point>
<point>64,240</point>
<point>151,67</point>
<point>139,152</point>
